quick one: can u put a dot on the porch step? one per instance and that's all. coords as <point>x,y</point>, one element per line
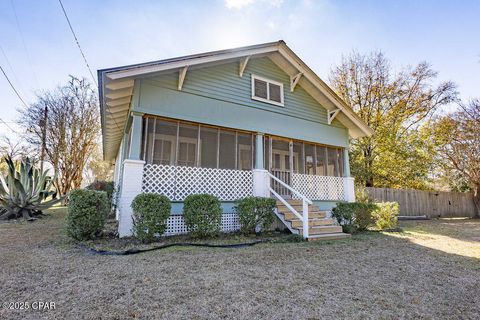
<point>328,236</point>
<point>321,230</point>
<point>319,226</point>
<point>311,215</point>
<point>299,208</point>
<point>297,223</point>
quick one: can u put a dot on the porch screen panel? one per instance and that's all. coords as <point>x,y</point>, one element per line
<point>341,164</point>
<point>208,147</point>
<point>332,166</point>
<point>298,163</point>
<point>164,142</point>
<point>244,151</point>
<point>321,163</point>
<point>187,145</point>
<point>266,152</point>
<point>148,140</point>
<point>309,158</point>
<point>226,152</point>
<point>280,155</point>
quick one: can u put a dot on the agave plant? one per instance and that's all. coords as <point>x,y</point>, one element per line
<point>24,189</point>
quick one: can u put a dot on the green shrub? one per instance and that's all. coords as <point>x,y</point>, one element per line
<point>87,211</point>
<point>100,185</point>
<point>150,214</point>
<point>254,213</point>
<point>385,215</point>
<point>202,214</point>
<point>354,216</point>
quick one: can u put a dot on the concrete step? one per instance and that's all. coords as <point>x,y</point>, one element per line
<point>311,215</point>
<point>297,223</point>
<point>321,230</point>
<point>328,236</point>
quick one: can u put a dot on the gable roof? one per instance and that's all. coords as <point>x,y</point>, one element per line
<point>116,87</point>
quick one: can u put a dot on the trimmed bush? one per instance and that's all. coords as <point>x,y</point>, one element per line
<point>100,185</point>
<point>254,213</point>
<point>150,214</point>
<point>87,211</point>
<point>385,215</point>
<point>354,216</point>
<point>202,214</point>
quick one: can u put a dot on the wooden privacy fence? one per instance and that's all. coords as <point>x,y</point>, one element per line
<point>432,204</point>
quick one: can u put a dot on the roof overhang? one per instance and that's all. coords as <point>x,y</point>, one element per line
<point>116,87</point>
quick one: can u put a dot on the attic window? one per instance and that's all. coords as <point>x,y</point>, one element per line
<point>266,90</point>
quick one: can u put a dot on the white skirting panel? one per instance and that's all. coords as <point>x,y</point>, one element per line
<point>176,224</point>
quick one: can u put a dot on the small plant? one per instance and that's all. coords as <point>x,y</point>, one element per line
<point>150,214</point>
<point>354,216</point>
<point>24,190</point>
<point>87,212</point>
<point>385,215</point>
<point>255,213</point>
<point>202,214</point>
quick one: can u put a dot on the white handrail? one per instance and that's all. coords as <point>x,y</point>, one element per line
<point>305,203</point>
<point>290,188</point>
<point>279,197</point>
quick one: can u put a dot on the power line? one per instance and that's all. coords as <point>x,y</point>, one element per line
<point>78,43</point>
<point>85,59</point>
<point>23,42</point>
<point>8,126</point>
<point>13,87</point>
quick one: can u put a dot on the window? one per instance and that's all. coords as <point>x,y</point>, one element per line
<point>267,90</point>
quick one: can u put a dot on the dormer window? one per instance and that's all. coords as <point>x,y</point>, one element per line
<point>266,90</point>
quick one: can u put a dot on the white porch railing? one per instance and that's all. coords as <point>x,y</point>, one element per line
<point>321,187</point>
<point>305,203</point>
<point>177,182</point>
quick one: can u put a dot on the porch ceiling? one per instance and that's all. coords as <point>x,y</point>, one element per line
<point>116,87</point>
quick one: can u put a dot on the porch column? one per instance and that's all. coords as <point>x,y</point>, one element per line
<point>136,136</point>
<point>346,163</point>
<point>259,163</point>
<point>261,180</point>
<point>348,181</point>
<point>131,185</point>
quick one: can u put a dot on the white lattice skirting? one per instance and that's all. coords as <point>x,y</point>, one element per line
<point>176,224</point>
<point>178,182</point>
<point>319,187</point>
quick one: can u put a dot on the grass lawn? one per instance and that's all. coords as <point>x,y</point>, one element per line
<point>431,270</point>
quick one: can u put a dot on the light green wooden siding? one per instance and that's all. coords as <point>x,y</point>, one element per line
<point>217,95</point>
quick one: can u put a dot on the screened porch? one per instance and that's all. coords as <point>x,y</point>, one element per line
<point>185,157</point>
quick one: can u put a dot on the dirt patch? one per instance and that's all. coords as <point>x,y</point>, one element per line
<point>371,275</point>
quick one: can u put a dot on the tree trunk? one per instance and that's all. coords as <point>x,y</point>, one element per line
<point>476,200</point>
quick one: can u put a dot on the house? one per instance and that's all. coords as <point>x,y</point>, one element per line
<point>254,120</point>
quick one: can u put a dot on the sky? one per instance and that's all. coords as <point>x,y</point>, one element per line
<point>38,51</point>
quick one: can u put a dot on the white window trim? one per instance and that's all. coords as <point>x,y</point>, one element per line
<point>268,81</point>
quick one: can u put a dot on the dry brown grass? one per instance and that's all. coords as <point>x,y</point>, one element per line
<point>372,275</point>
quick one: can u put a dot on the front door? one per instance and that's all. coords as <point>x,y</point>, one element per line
<point>281,165</point>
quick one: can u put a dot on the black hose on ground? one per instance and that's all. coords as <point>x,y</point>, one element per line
<point>164,246</point>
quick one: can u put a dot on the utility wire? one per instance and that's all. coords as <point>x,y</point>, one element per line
<point>78,43</point>
<point>8,126</point>
<point>23,42</point>
<point>13,87</point>
<point>85,59</point>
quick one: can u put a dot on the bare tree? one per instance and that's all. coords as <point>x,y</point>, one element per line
<point>459,146</point>
<point>394,106</point>
<point>72,129</point>
<point>16,149</point>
